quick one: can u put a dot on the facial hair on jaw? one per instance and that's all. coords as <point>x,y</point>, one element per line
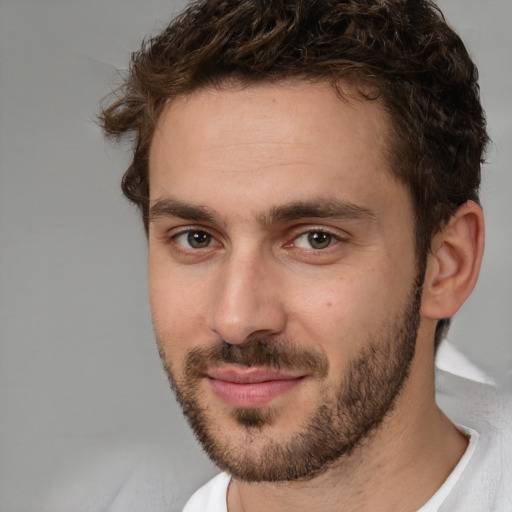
<point>342,420</point>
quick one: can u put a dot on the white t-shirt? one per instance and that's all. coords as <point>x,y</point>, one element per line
<point>481,481</point>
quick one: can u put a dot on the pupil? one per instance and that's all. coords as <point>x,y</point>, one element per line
<point>319,240</point>
<point>198,239</point>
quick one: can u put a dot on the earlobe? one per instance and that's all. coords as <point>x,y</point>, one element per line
<point>454,262</point>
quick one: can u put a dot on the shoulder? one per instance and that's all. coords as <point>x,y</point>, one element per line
<point>474,404</point>
<point>485,482</point>
<point>211,497</point>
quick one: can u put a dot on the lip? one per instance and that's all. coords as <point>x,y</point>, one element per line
<point>250,387</point>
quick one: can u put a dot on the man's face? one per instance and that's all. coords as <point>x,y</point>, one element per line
<point>282,273</point>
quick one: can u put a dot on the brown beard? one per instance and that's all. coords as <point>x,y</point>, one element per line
<point>365,396</point>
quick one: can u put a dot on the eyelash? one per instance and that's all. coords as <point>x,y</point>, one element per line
<point>332,239</point>
<point>192,232</point>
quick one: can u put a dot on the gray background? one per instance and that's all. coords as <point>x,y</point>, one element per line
<point>81,389</point>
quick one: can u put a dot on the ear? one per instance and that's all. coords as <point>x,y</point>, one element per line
<point>454,262</point>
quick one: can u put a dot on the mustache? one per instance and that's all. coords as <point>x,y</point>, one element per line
<point>260,352</point>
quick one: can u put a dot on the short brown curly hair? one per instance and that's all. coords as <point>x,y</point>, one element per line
<point>402,51</point>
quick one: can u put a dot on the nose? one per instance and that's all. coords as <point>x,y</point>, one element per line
<point>247,299</point>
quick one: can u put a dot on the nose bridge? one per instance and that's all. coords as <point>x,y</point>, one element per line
<point>247,298</point>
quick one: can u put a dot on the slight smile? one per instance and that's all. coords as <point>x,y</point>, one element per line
<point>250,387</point>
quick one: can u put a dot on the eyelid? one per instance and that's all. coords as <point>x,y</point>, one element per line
<point>298,231</point>
<point>174,233</point>
<point>303,230</point>
<point>307,244</point>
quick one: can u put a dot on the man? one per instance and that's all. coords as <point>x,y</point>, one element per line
<point>307,173</point>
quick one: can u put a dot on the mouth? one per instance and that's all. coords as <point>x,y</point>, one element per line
<point>243,387</point>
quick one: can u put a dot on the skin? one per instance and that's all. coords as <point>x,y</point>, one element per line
<point>241,154</point>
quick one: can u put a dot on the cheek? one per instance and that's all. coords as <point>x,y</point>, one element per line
<point>333,314</point>
<point>175,310</point>
<point>342,314</point>
<point>177,307</point>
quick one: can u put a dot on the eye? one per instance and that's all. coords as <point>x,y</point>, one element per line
<point>315,240</point>
<point>194,239</point>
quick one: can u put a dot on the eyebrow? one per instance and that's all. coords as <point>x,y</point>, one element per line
<point>170,207</point>
<point>317,208</point>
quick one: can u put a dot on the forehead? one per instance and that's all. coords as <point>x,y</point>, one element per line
<point>294,110</point>
<point>264,138</point>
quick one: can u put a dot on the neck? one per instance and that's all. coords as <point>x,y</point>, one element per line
<point>396,469</point>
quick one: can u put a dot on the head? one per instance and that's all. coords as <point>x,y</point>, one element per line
<point>399,52</point>
<point>397,56</point>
